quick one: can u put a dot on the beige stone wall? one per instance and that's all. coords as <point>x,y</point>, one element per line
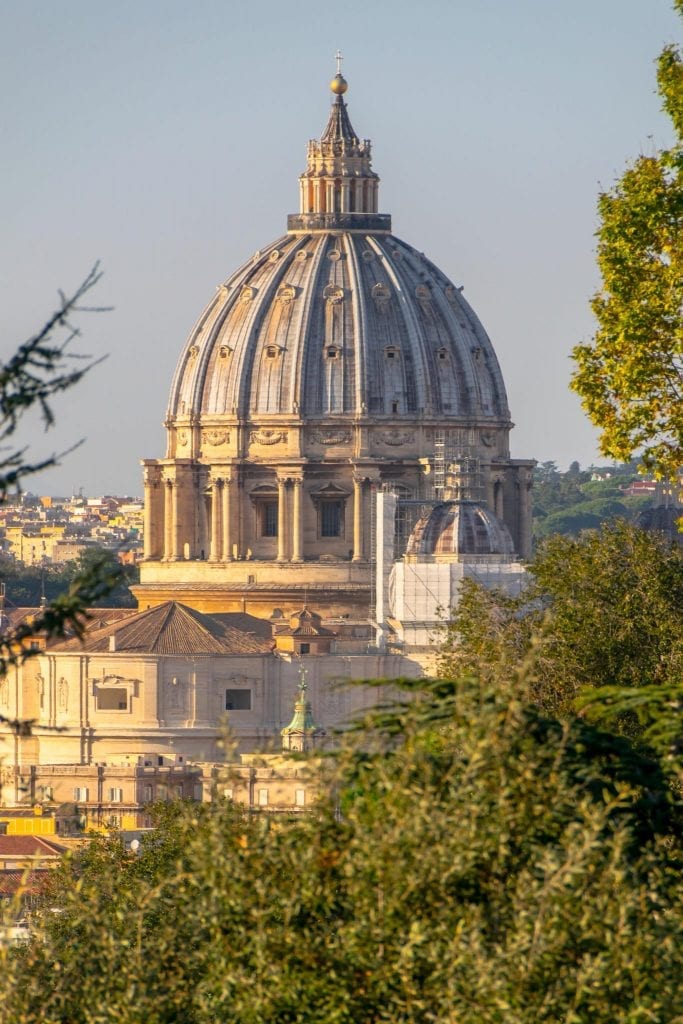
<point>173,706</point>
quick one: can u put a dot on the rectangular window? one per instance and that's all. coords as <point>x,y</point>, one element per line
<point>300,797</point>
<point>331,518</point>
<point>115,795</point>
<point>304,649</point>
<point>111,698</point>
<point>81,794</point>
<point>238,700</point>
<point>269,519</point>
<point>227,793</point>
<point>148,793</point>
<point>178,792</point>
<point>263,797</point>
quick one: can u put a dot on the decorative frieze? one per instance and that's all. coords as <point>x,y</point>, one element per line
<point>395,438</point>
<point>215,437</point>
<point>268,436</point>
<point>331,437</point>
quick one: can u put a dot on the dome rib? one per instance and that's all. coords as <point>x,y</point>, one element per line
<point>359,311</point>
<point>414,336</point>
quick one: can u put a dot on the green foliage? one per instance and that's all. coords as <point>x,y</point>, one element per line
<point>570,502</point>
<point>40,370</point>
<point>630,378</point>
<point>601,611</point>
<point>26,584</point>
<point>481,862</point>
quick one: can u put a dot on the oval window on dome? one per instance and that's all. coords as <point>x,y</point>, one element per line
<point>334,255</point>
<point>275,256</point>
<point>333,293</point>
<point>302,255</point>
<point>247,293</point>
<point>368,255</point>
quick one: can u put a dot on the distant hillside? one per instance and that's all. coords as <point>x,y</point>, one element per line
<point>581,499</point>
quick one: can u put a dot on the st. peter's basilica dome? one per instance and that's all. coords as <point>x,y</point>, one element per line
<point>337,360</point>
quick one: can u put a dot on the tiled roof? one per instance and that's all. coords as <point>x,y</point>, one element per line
<point>170,628</point>
<point>14,879</point>
<point>29,846</point>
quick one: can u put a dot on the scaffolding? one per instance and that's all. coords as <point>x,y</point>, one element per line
<point>457,473</point>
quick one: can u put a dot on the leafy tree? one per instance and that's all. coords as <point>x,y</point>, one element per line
<point>42,368</point>
<point>480,862</point>
<point>106,560</point>
<point>630,378</point>
<point>571,502</point>
<point>601,611</point>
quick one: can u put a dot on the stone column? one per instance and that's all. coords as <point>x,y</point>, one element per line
<point>204,540</point>
<point>345,197</point>
<point>215,550</point>
<point>148,540</point>
<point>227,532</point>
<point>525,479</point>
<point>175,522</point>
<point>357,519</point>
<point>168,519</point>
<point>281,520</point>
<point>297,524</point>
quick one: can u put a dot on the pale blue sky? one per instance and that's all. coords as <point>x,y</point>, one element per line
<point>165,139</point>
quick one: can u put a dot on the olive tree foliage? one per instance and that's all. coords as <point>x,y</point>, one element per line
<point>477,861</point>
<point>630,377</point>
<point>42,368</point>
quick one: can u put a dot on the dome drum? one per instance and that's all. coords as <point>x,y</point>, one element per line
<point>303,223</point>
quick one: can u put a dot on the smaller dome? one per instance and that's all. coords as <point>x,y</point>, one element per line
<point>339,85</point>
<point>460,528</point>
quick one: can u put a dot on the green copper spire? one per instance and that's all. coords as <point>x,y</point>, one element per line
<point>302,732</point>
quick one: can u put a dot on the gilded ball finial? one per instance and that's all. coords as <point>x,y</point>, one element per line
<point>339,85</point>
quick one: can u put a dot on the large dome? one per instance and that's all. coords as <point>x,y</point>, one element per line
<point>338,360</point>
<point>348,323</point>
